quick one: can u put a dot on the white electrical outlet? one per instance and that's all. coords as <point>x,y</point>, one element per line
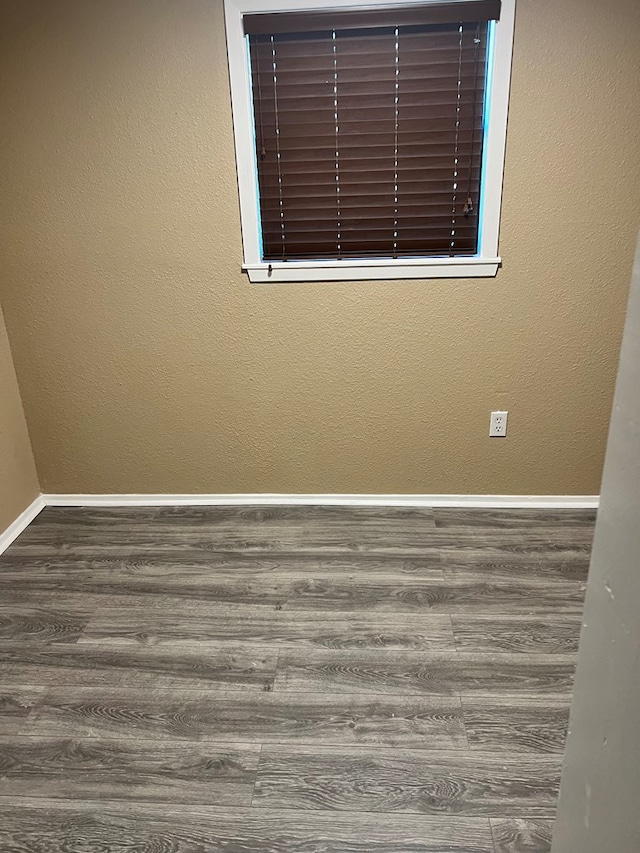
<point>498,424</point>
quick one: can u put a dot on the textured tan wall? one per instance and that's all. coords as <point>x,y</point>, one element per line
<point>18,480</point>
<point>148,363</point>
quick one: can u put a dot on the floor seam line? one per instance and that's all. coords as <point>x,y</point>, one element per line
<point>255,780</point>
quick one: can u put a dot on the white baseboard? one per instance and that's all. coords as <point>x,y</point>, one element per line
<point>469,501</point>
<point>21,523</point>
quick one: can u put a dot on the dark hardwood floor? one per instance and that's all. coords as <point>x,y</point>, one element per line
<point>287,679</point>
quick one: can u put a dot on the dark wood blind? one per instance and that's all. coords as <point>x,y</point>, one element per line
<point>271,23</point>
<point>369,140</point>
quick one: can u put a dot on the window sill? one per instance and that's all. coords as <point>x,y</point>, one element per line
<point>357,270</point>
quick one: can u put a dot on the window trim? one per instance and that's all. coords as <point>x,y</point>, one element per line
<point>485,264</point>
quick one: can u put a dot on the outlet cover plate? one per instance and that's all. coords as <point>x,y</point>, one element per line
<point>498,425</point>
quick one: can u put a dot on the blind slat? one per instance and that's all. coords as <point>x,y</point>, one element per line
<point>430,248</point>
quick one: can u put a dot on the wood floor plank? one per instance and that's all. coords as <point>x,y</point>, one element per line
<point>380,781</point>
<point>47,623</point>
<point>174,622</point>
<point>387,721</point>
<point>352,593</point>
<point>160,771</point>
<point>59,826</point>
<point>296,514</point>
<point>159,539</point>
<point>553,634</point>
<point>43,565</point>
<point>522,836</point>
<point>96,516</point>
<point>244,668</point>
<point>80,601</point>
<point>481,567</point>
<point>193,584</point>
<point>389,672</point>
<point>187,582</point>
<point>520,595</point>
<point>539,542</point>
<point>198,582</point>
<point>303,592</point>
<point>44,547</point>
<point>26,578</point>
<point>16,703</point>
<point>514,725</point>
<point>514,519</point>
<point>291,564</point>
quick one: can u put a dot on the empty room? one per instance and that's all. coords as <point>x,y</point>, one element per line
<point>319,426</point>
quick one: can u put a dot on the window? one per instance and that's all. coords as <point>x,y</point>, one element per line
<point>369,141</point>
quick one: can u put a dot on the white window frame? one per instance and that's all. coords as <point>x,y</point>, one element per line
<point>484,264</point>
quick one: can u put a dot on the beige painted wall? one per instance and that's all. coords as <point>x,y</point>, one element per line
<point>148,363</point>
<point>18,480</point>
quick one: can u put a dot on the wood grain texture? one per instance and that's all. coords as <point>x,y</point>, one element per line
<point>443,674</point>
<point>174,622</point>
<point>227,716</point>
<point>109,665</point>
<point>291,514</point>
<point>520,595</point>
<point>141,770</point>
<point>509,569</point>
<point>149,537</point>
<point>537,542</point>
<point>29,574</point>
<point>553,634</point>
<point>190,544</point>
<point>186,582</point>
<point>287,679</point>
<point>16,703</point>
<point>58,826</point>
<point>328,594</point>
<point>510,519</point>
<point>527,725</point>
<point>99,517</point>
<point>291,563</point>
<point>302,517</point>
<point>47,624</point>
<point>461,783</point>
<point>522,836</point>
